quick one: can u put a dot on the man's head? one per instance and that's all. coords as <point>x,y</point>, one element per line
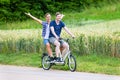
<point>48,17</point>
<point>58,16</point>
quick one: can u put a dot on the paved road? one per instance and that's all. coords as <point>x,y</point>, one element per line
<point>30,73</point>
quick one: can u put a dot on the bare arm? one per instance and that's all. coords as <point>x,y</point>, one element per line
<point>66,29</point>
<point>36,19</point>
<point>53,32</point>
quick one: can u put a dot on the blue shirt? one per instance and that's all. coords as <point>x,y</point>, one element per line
<point>57,28</point>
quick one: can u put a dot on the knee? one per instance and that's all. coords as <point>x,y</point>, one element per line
<point>66,45</point>
<point>57,44</point>
<point>48,45</point>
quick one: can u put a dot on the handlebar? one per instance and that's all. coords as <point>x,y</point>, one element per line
<point>67,40</point>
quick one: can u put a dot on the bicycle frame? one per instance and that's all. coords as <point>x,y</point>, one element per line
<point>66,55</point>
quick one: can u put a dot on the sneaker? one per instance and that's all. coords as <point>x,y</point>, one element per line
<point>58,59</point>
<point>55,58</point>
<point>61,59</point>
<point>50,59</point>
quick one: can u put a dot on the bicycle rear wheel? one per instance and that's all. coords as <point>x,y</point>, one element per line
<point>72,63</point>
<point>46,65</point>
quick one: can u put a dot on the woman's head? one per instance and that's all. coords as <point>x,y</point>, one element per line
<point>48,17</point>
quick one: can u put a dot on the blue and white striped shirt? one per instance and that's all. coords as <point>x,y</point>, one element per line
<point>45,30</point>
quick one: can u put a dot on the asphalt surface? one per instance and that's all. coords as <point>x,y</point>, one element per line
<point>29,73</point>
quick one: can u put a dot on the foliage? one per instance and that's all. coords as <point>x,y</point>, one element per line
<point>12,10</point>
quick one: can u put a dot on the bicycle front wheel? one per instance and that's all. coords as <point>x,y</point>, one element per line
<point>72,63</point>
<point>45,62</point>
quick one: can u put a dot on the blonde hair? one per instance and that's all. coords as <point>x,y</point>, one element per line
<point>58,13</point>
<point>47,14</point>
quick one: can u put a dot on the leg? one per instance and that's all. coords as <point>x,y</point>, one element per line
<point>57,48</point>
<point>48,48</point>
<point>54,41</point>
<point>61,48</point>
<point>65,47</point>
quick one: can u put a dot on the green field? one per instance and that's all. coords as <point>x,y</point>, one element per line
<point>100,38</point>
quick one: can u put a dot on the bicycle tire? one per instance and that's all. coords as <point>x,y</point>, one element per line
<point>45,64</point>
<point>72,60</point>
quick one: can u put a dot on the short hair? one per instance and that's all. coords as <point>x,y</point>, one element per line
<point>47,14</point>
<point>58,13</point>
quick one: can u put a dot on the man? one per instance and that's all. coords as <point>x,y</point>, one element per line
<point>55,31</point>
<point>45,31</point>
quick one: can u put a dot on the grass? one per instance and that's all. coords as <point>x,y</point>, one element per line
<point>87,63</point>
<point>20,59</point>
<point>28,24</point>
<point>99,64</point>
<point>108,12</point>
